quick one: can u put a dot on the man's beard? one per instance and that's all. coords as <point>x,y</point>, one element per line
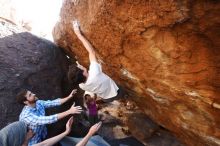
<point>33,102</point>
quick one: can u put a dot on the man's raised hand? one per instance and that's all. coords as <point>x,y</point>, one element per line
<point>69,125</point>
<point>74,91</point>
<point>95,128</point>
<point>75,109</point>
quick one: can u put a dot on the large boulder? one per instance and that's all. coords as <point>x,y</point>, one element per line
<point>30,62</point>
<point>165,52</point>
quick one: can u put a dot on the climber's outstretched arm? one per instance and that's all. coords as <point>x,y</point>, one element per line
<point>85,42</point>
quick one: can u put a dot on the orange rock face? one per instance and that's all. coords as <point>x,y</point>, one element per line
<point>166,52</point>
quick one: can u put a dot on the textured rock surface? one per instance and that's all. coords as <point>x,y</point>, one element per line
<point>166,52</point>
<point>27,61</point>
<point>122,120</point>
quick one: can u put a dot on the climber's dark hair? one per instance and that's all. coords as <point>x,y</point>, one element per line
<point>75,75</point>
<point>21,96</point>
<point>80,78</point>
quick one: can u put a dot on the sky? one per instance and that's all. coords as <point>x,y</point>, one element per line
<point>41,15</point>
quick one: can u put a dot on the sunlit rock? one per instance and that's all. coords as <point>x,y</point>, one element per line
<point>165,52</point>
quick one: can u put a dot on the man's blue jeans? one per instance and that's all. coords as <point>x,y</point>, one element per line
<point>93,141</point>
<point>13,134</point>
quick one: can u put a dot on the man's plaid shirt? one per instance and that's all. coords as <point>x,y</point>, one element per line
<point>35,119</point>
